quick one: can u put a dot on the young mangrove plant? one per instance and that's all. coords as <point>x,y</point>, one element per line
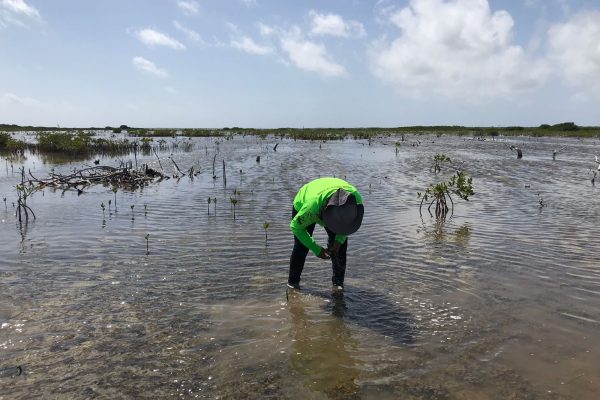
<point>132,215</point>
<point>214,161</point>
<point>23,193</point>
<point>208,209</point>
<point>5,209</point>
<point>460,184</point>
<point>114,189</point>
<point>145,210</point>
<point>266,227</point>
<point>437,162</point>
<point>233,203</point>
<point>103,213</point>
<point>555,152</point>
<point>147,237</point>
<point>518,150</point>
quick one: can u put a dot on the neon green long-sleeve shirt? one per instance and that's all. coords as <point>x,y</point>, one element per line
<point>310,202</point>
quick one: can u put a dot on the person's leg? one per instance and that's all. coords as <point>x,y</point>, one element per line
<point>298,257</point>
<point>338,261</point>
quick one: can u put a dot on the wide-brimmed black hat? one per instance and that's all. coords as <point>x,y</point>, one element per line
<point>342,215</point>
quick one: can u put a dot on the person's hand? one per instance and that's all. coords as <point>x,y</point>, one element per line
<point>335,248</point>
<point>324,254</point>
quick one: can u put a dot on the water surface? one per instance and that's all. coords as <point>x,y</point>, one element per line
<point>500,301</point>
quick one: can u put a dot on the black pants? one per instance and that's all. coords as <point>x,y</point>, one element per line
<point>338,260</point>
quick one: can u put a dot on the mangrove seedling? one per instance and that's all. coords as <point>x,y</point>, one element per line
<point>265,227</point>
<point>555,152</point>
<point>215,201</point>
<point>147,245</point>
<point>214,160</point>
<point>114,189</point>
<point>233,203</point>
<point>208,209</point>
<point>518,150</point>
<point>460,184</point>
<point>541,201</point>
<point>23,192</point>
<point>132,216</point>
<point>4,199</point>
<point>145,210</point>
<point>103,213</point>
<point>437,162</point>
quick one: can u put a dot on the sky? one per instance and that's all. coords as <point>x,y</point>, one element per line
<point>273,63</point>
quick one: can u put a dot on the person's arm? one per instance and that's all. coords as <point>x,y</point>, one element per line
<point>299,223</point>
<point>358,197</point>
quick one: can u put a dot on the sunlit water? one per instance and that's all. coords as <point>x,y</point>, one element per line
<point>502,301</point>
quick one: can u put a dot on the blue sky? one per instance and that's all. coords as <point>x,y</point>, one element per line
<point>273,63</point>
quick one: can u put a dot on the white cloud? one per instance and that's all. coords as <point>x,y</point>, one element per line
<point>265,30</point>
<point>20,7</point>
<point>189,7</point>
<point>190,33</point>
<point>575,49</point>
<point>310,56</point>
<point>13,11</point>
<point>152,38</point>
<point>249,3</point>
<point>146,65</point>
<point>8,99</point>
<point>232,27</point>
<point>334,25</point>
<point>248,45</point>
<point>458,48</point>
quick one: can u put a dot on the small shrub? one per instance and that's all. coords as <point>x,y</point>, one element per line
<point>460,184</point>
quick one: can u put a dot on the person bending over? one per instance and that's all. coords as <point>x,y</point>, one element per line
<point>337,206</point>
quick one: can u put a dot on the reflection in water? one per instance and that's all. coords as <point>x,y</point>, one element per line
<point>323,348</point>
<point>441,230</point>
<point>326,350</point>
<point>462,235</point>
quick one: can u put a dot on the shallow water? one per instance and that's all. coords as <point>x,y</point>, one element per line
<point>501,301</point>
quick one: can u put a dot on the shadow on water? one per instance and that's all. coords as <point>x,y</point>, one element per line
<point>373,310</point>
<point>326,349</point>
<point>364,308</point>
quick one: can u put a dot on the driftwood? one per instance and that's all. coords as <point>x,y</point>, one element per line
<point>99,175</point>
